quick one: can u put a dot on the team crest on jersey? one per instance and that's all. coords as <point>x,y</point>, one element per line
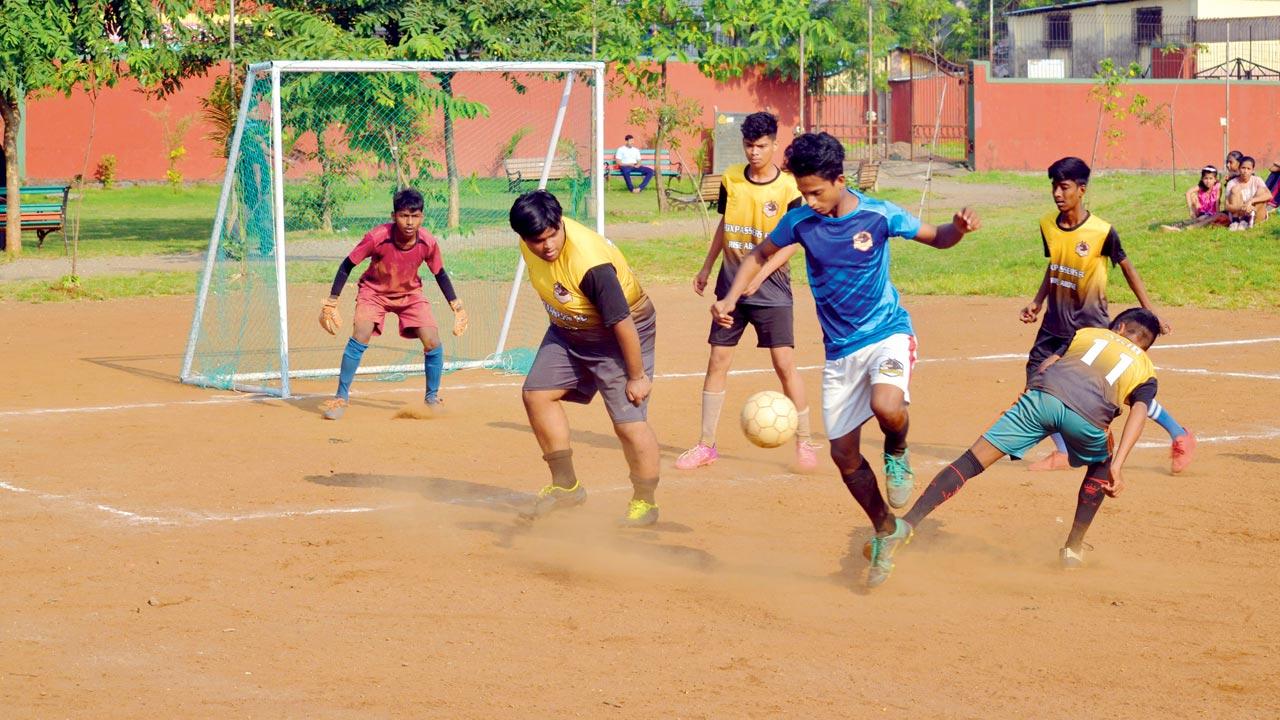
<point>1082,248</point>
<point>561,293</point>
<point>891,368</point>
<point>862,241</point>
<point>770,208</point>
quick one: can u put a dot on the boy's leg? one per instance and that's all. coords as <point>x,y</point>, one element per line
<point>640,446</point>
<point>626,171</point>
<point>723,341</point>
<point>775,330</point>
<point>1183,446</point>
<point>1092,493</point>
<point>890,371</point>
<point>363,330</point>
<point>646,174</point>
<point>980,456</point>
<point>551,428</point>
<point>433,362</point>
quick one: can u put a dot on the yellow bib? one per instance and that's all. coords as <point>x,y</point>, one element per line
<point>559,283</point>
<point>753,210</point>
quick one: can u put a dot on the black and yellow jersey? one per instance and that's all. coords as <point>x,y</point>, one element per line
<point>559,283</point>
<point>1098,372</point>
<point>1078,272</point>
<point>751,210</point>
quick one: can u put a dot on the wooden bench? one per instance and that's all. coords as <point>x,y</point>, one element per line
<point>666,165</point>
<point>862,174</point>
<point>44,217</point>
<point>523,170</point>
<point>708,192</point>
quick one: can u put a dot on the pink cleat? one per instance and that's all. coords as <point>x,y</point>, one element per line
<point>1056,460</point>
<point>697,456</point>
<point>1183,450</point>
<point>806,455</point>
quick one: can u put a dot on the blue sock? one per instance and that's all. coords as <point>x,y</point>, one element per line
<point>350,362</point>
<point>1059,442</point>
<point>433,363</point>
<point>1159,414</point>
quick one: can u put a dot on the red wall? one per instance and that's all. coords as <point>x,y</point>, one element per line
<point>1026,125</point>
<point>58,127</point>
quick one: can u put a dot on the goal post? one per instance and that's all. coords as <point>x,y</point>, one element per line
<point>319,148</point>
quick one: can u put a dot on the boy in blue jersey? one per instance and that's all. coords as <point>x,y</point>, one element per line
<point>870,345</point>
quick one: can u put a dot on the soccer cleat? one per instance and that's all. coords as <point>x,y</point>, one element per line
<point>697,456</point>
<point>333,408</point>
<point>640,513</point>
<point>806,454</point>
<point>883,548</point>
<point>1071,559</point>
<point>899,480</point>
<point>1056,460</point>
<point>1182,451</point>
<point>554,497</point>
<point>432,400</point>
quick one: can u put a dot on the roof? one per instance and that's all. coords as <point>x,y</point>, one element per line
<point>1067,6</point>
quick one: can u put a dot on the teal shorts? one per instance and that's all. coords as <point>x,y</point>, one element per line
<point>1036,416</point>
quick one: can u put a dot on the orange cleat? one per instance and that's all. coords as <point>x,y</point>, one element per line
<point>1182,451</point>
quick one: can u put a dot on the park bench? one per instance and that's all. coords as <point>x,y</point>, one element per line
<point>44,217</point>
<point>862,174</point>
<point>708,192</point>
<point>522,170</point>
<point>667,166</point>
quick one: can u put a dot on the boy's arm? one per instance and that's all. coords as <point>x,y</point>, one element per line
<point>638,383</point>
<point>460,319</point>
<point>330,319</point>
<point>713,252</point>
<point>1132,277</point>
<point>945,236</point>
<point>775,261</point>
<point>1133,424</point>
<point>1032,311</point>
<point>722,311</point>
<point>1191,201</point>
<point>601,286</point>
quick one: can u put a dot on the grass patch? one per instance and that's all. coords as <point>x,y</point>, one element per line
<point>105,287</point>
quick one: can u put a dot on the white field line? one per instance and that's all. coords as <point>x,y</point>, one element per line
<point>1213,439</point>
<point>239,397</point>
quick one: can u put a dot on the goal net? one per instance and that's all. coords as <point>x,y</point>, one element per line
<point>318,150</point>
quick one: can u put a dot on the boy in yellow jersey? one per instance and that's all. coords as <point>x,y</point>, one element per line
<point>753,198</point>
<point>1075,284</point>
<point>600,341</point>
<point>1076,393</point>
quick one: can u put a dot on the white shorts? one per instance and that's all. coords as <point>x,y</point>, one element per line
<point>846,383</point>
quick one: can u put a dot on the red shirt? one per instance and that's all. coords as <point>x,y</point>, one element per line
<point>393,271</point>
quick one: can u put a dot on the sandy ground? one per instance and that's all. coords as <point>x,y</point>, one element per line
<point>171,551</point>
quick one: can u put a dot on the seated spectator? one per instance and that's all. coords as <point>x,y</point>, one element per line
<point>1232,167</point>
<point>1246,197</point>
<point>628,159</point>
<point>1202,202</point>
<point>1273,184</point>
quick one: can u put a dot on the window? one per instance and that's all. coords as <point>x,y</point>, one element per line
<point>1148,25</point>
<point>1057,30</point>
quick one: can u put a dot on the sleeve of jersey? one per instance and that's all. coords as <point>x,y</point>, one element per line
<point>784,233</point>
<point>1144,393</point>
<point>600,285</point>
<point>362,250</point>
<point>901,223</point>
<point>1111,248</point>
<point>433,257</point>
<point>723,201</point>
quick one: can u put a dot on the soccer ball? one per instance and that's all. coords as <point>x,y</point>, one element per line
<point>769,419</point>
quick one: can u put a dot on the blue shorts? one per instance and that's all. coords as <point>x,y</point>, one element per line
<point>1036,416</point>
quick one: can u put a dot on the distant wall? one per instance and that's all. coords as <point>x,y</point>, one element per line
<point>1023,124</point>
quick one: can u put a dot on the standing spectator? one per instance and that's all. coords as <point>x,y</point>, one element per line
<point>1246,197</point>
<point>628,159</point>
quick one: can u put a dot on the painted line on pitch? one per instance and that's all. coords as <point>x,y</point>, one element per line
<point>238,398</point>
<point>1213,439</point>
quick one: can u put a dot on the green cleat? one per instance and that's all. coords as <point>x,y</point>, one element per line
<point>554,497</point>
<point>899,480</point>
<point>883,548</point>
<point>640,513</point>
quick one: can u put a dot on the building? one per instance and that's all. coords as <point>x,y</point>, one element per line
<point>1166,38</point>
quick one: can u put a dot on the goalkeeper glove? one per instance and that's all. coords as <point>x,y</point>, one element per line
<point>329,317</point>
<point>459,317</point>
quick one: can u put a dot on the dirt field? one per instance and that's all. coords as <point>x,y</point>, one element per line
<point>176,552</point>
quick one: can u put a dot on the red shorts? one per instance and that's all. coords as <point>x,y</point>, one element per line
<point>412,310</point>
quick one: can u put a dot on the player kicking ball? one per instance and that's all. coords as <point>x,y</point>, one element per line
<point>753,198</point>
<point>869,341</point>
<point>391,285</point>
<point>600,341</point>
<point>1077,394</point>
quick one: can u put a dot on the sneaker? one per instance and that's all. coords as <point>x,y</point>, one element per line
<point>1056,460</point>
<point>806,454</point>
<point>899,480</point>
<point>883,548</point>
<point>1237,225</point>
<point>697,456</point>
<point>1182,451</point>
<point>333,408</point>
<point>554,497</point>
<point>1071,559</point>
<point>432,400</point>
<point>640,513</point>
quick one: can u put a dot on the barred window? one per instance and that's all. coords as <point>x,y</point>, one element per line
<point>1148,25</point>
<point>1057,30</point>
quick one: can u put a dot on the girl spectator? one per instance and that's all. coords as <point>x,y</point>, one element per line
<point>1202,202</point>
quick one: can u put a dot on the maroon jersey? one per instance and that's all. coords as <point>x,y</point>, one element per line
<point>393,271</point>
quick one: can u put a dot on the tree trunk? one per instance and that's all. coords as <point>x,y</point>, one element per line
<point>326,183</point>
<point>12,114</point>
<point>450,154</point>
<point>663,110</point>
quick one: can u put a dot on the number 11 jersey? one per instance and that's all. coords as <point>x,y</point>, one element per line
<point>1098,371</point>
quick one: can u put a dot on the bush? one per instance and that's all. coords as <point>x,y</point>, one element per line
<point>105,173</point>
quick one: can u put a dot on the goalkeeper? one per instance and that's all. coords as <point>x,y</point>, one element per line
<point>391,284</point>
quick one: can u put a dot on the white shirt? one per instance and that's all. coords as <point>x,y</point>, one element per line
<point>627,155</point>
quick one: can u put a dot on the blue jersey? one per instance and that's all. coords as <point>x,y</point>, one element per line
<point>848,262</point>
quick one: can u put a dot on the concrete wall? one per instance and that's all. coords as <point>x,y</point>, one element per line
<point>1020,124</point>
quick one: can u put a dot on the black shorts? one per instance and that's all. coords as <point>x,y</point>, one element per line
<point>774,324</point>
<point>1046,344</point>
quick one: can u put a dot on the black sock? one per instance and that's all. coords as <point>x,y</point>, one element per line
<point>561,464</point>
<point>895,441</point>
<point>1088,502</point>
<point>864,488</point>
<point>643,488</point>
<point>945,484</point>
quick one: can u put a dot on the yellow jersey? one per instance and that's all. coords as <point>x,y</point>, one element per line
<point>559,283</point>
<point>1098,372</point>
<point>751,211</point>
<point>1078,272</point>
